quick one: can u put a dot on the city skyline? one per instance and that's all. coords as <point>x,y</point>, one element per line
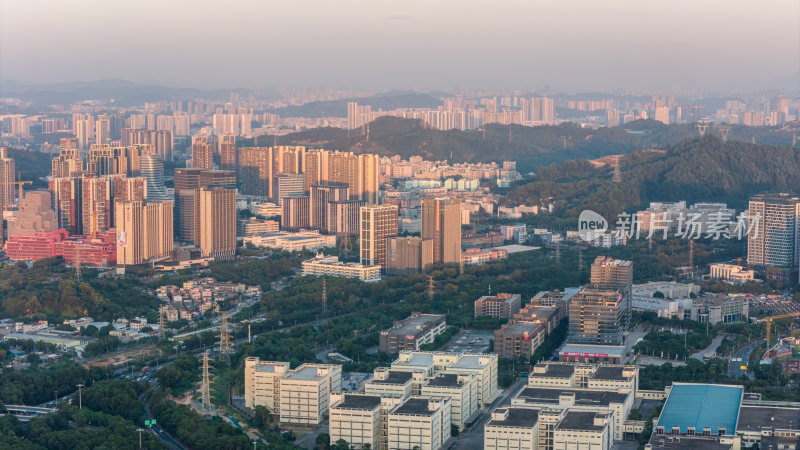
<point>717,45</point>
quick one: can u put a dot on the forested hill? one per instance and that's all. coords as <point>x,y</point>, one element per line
<point>531,147</point>
<point>696,170</point>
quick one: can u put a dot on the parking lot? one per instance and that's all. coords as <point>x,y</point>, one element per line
<point>468,341</point>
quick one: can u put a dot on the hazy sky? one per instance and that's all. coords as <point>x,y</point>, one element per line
<point>566,44</point>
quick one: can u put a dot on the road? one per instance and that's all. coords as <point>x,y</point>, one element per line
<point>742,358</point>
<point>472,437</point>
<point>166,438</point>
<point>709,351</point>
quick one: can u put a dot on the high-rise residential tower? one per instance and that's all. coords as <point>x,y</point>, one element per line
<point>378,224</point>
<point>441,222</point>
<point>774,233</point>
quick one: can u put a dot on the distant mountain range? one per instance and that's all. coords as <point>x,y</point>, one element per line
<point>531,147</point>
<point>696,170</point>
<point>338,108</point>
<point>123,92</point>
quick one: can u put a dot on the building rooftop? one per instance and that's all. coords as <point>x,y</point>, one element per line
<point>610,350</point>
<point>362,402</point>
<point>445,380</point>
<point>753,418</point>
<point>555,371</point>
<point>582,397</point>
<point>610,373</point>
<point>608,261</point>
<point>688,443</point>
<point>417,359</point>
<point>578,420</point>
<point>304,373</point>
<point>516,417</point>
<point>412,325</point>
<point>701,406</point>
<point>520,328</point>
<point>394,377</point>
<point>468,362</point>
<point>414,406</point>
<point>269,366</point>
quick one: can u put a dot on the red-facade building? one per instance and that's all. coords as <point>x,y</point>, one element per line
<point>99,250</point>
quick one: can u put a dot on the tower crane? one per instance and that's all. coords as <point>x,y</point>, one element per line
<point>769,320</point>
<point>17,183</point>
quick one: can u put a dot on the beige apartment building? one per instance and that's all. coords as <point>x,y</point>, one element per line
<point>144,231</point>
<point>356,418</point>
<point>378,223</point>
<point>461,389</point>
<point>512,429</point>
<point>483,366</point>
<point>386,382</point>
<point>216,217</point>
<point>441,222</point>
<point>419,422</point>
<point>300,396</point>
<point>262,383</point>
<point>583,430</point>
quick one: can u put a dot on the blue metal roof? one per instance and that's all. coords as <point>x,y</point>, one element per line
<point>702,406</point>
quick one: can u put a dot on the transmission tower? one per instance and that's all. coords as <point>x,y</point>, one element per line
<point>490,289</point>
<point>431,288</point>
<point>650,243</point>
<point>161,323</point>
<point>249,334</point>
<point>564,141</point>
<point>324,295</point>
<point>691,253</point>
<point>78,275</point>
<point>580,260</point>
<point>723,131</point>
<point>461,267</point>
<point>224,339</point>
<point>558,251</point>
<point>205,391</point>
<point>617,174</point>
<point>367,132</point>
<point>702,127</point>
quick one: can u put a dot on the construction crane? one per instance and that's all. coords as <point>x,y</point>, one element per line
<point>17,183</point>
<point>776,317</point>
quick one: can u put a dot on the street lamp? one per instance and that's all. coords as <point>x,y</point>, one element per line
<point>140,436</point>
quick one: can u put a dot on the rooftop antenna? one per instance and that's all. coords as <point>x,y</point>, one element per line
<point>617,175</point>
